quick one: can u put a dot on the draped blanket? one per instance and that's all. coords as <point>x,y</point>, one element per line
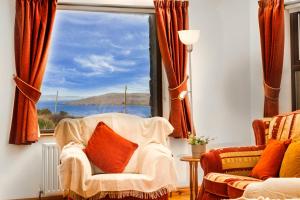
<point>274,188</point>
<point>149,174</point>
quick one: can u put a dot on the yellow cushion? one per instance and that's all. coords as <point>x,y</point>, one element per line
<point>290,166</point>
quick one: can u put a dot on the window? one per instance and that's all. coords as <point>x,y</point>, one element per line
<point>295,59</point>
<point>101,62</point>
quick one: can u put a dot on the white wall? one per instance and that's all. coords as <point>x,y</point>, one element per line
<point>221,82</point>
<point>221,70</point>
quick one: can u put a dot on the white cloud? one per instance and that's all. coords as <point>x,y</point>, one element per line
<point>125,52</point>
<point>100,65</point>
<point>129,36</point>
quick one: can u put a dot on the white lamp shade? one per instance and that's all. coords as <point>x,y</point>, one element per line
<point>189,37</point>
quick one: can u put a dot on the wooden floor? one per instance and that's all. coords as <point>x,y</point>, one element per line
<point>180,197</point>
<point>181,194</point>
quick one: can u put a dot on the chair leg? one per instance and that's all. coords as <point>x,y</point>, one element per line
<point>200,192</point>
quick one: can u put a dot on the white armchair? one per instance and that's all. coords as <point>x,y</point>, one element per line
<point>150,173</point>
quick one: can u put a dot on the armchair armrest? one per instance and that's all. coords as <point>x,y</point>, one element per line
<point>261,130</point>
<point>74,168</point>
<point>232,160</point>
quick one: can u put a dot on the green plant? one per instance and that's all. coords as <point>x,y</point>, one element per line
<point>194,140</point>
<point>45,111</point>
<point>46,124</point>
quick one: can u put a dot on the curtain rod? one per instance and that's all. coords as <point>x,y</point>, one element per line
<point>105,8</point>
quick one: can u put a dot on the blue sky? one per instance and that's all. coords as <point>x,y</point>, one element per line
<point>93,53</point>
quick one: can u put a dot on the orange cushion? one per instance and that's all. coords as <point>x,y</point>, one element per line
<point>270,161</point>
<point>109,151</point>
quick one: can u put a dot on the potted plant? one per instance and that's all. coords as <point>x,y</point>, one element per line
<point>198,144</point>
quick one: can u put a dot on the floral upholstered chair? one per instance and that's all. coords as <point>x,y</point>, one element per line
<point>227,170</point>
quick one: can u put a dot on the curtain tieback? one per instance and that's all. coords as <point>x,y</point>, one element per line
<point>27,90</point>
<point>175,92</point>
<point>271,93</point>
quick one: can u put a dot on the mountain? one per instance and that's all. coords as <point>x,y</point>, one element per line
<point>60,98</point>
<point>114,99</point>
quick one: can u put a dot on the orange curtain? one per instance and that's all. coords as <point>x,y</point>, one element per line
<point>33,25</point>
<point>271,24</point>
<point>172,16</point>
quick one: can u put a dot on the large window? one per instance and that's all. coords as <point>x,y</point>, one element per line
<point>101,62</point>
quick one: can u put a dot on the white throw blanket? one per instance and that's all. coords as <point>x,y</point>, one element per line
<point>150,173</point>
<point>274,188</point>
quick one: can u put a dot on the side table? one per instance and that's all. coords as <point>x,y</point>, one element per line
<point>193,162</point>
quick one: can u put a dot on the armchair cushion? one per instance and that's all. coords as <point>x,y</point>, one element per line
<point>109,151</point>
<point>236,188</point>
<point>218,183</point>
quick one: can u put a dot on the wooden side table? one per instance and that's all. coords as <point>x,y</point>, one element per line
<point>193,162</point>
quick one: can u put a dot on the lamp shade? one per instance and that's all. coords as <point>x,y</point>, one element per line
<point>189,37</point>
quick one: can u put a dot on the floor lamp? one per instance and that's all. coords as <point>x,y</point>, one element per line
<point>189,37</point>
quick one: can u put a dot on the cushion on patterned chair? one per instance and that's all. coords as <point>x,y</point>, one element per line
<point>217,183</point>
<point>270,161</point>
<point>290,166</point>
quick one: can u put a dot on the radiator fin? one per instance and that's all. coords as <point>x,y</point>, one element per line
<point>50,182</point>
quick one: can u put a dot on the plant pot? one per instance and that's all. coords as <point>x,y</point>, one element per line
<point>198,149</point>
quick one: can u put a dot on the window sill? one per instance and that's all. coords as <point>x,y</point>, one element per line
<point>46,133</point>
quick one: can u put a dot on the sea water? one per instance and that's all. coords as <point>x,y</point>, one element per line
<point>86,110</point>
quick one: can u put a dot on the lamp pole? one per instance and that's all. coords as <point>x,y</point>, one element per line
<point>189,50</point>
<point>190,37</point>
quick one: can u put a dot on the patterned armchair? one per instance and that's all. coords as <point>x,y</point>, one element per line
<point>226,171</point>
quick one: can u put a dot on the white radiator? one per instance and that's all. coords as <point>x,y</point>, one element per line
<point>50,182</point>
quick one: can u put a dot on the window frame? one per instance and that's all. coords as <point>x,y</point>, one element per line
<point>295,61</point>
<point>155,83</point>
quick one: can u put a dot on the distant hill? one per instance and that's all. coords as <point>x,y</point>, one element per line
<point>114,99</point>
<point>60,98</point>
